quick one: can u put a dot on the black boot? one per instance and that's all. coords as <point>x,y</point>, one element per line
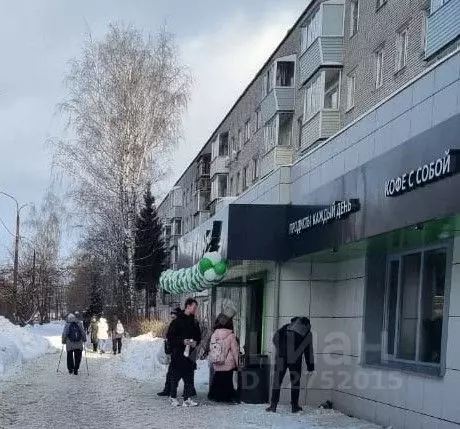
<point>296,408</point>
<point>163,393</point>
<point>271,409</point>
<point>76,372</point>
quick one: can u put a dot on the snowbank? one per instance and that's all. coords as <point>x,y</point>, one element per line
<point>20,344</point>
<point>140,359</point>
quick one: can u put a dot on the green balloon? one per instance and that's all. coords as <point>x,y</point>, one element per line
<point>220,268</point>
<point>204,265</point>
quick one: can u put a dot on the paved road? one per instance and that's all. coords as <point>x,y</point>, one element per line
<point>40,398</point>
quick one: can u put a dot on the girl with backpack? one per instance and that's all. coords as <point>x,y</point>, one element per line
<point>73,337</point>
<point>223,356</point>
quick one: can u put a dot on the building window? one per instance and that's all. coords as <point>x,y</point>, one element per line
<point>322,93</point>
<point>436,4</point>
<point>285,129</point>
<point>425,15</point>
<point>255,169</point>
<point>240,139</point>
<point>268,81</point>
<point>379,58</point>
<point>312,92</point>
<point>167,232</point>
<point>258,119</point>
<point>380,3</point>
<point>414,297</point>
<point>285,73</point>
<point>312,29</point>
<point>245,178</point>
<point>223,144</point>
<point>219,186</point>
<point>351,88</point>
<point>300,127</point>
<point>331,89</point>
<point>177,227</point>
<point>247,130</point>
<point>234,145</point>
<point>354,17</point>
<point>237,183</point>
<point>401,49</point>
<point>232,191</point>
<point>270,132</point>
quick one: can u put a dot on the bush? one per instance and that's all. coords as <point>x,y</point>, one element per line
<point>155,326</point>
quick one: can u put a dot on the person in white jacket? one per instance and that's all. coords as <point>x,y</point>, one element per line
<point>102,334</point>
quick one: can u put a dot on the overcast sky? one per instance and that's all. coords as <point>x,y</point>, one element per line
<point>223,42</point>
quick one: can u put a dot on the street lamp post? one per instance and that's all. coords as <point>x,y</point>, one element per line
<point>16,251</point>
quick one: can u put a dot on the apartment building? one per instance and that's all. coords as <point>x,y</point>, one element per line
<point>352,214</point>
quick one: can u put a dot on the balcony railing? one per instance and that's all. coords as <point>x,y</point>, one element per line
<point>324,51</point>
<point>321,126</point>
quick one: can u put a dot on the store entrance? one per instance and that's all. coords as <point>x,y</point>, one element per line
<point>248,300</point>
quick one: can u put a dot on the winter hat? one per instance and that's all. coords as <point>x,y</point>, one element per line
<point>229,309</point>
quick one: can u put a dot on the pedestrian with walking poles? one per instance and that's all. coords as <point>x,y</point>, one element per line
<point>73,337</point>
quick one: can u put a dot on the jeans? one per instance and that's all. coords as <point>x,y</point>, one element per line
<point>103,345</point>
<point>74,359</point>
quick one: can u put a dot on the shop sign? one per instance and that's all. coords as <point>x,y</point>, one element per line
<point>427,173</point>
<point>337,211</point>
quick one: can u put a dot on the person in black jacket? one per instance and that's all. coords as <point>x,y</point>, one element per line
<point>183,337</point>
<point>291,342</point>
<point>167,389</point>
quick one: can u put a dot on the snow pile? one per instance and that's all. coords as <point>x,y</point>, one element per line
<point>141,359</point>
<point>20,344</point>
<point>52,332</point>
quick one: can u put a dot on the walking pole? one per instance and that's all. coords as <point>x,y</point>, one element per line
<point>86,359</point>
<point>60,357</point>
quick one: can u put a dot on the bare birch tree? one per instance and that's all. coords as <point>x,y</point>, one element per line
<point>126,97</point>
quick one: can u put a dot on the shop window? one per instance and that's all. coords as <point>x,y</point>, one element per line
<point>411,302</point>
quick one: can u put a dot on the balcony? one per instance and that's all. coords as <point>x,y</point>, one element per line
<point>321,126</point>
<point>279,99</point>
<point>220,165</point>
<point>324,51</point>
<point>201,201</point>
<point>443,27</point>
<point>275,158</point>
<point>203,184</point>
<point>175,212</point>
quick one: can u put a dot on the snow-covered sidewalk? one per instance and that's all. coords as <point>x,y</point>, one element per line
<point>120,391</point>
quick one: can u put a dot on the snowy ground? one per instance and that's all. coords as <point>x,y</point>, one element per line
<point>120,391</point>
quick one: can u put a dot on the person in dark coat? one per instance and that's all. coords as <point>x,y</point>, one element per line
<point>184,335</point>
<point>74,348</point>
<point>291,342</point>
<point>93,329</point>
<point>167,389</point>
